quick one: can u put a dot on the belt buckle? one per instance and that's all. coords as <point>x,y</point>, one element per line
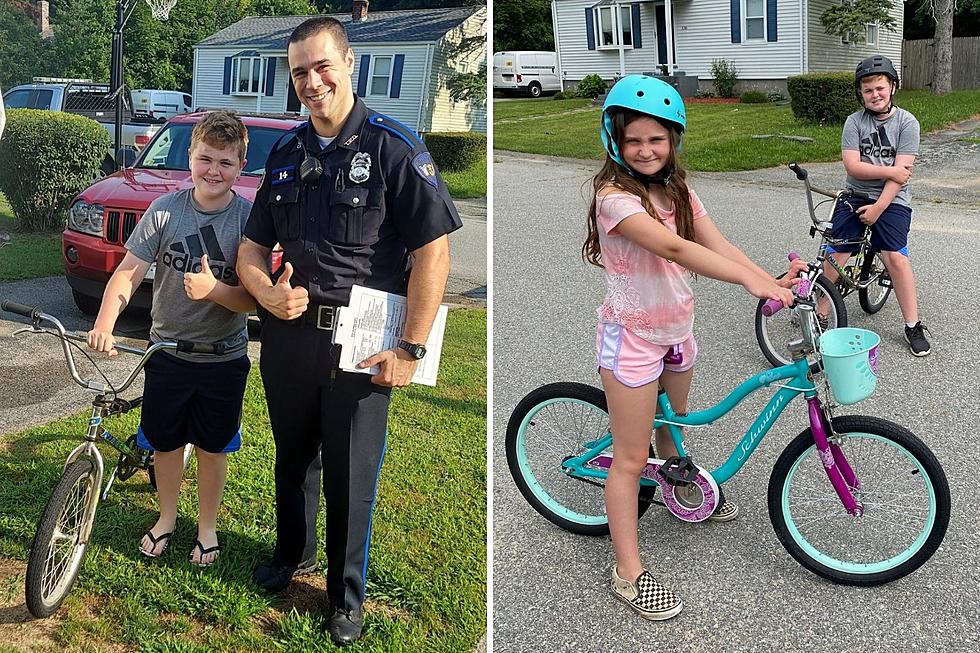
<point>325,312</point>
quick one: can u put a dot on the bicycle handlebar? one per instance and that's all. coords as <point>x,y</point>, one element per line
<point>36,315</point>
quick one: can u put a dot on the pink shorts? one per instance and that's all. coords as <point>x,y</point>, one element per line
<point>634,361</point>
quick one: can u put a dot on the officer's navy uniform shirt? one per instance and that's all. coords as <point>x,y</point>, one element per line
<point>338,232</point>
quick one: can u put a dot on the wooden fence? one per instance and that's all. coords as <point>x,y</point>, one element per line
<point>917,63</point>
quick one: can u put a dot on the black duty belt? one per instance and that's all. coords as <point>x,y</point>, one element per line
<point>317,316</point>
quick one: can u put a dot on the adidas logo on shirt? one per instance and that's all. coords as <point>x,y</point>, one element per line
<point>877,145</point>
<point>185,255</point>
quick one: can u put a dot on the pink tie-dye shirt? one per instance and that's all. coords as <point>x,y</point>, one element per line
<point>645,293</point>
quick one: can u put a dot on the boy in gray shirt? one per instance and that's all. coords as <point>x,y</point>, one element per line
<point>878,147</point>
<point>192,235</point>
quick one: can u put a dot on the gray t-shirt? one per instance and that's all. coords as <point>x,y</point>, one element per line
<point>174,233</point>
<point>879,141</point>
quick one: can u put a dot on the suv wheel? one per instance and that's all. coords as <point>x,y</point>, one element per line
<point>534,89</point>
<point>86,304</point>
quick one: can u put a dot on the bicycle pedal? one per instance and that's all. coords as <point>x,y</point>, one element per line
<point>678,470</point>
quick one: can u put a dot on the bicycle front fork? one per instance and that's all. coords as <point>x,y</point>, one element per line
<point>838,470</point>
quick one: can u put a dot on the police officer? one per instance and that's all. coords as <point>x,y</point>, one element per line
<point>354,198</point>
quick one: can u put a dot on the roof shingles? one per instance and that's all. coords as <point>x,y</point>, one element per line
<point>271,32</point>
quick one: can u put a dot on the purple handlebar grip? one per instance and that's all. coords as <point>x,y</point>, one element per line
<point>792,256</point>
<point>771,307</point>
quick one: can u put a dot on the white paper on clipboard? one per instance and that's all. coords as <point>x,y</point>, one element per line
<point>372,322</point>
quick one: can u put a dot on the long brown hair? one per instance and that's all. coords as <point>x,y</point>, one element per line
<point>613,174</point>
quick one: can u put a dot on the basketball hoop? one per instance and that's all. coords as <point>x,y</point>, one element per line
<point>161,8</point>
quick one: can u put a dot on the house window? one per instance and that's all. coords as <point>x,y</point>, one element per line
<point>755,19</point>
<point>246,73</point>
<point>871,34</point>
<point>612,28</point>
<point>380,76</point>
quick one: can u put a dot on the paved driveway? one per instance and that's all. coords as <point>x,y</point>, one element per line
<point>742,591</point>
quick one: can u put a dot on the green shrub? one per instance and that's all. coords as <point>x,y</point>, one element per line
<point>456,151</point>
<point>754,97</point>
<point>775,96</point>
<point>591,86</point>
<point>725,75</point>
<point>564,95</point>
<point>46,158</point>
<point>705,93</point>
<point>822,97</point>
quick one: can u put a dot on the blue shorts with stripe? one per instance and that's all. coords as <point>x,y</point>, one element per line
<point>890,233</point>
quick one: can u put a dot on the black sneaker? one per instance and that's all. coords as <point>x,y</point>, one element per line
<point>918,344</point>
<point>345,626</point>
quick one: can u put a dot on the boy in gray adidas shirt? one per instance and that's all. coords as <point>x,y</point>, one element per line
<point>878,147</point>
<point>192,235</point>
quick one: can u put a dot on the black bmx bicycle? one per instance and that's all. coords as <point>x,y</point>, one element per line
<point>64,531</point>
<point>864,272</point>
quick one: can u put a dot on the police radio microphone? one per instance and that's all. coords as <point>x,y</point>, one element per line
<point>311,168</point>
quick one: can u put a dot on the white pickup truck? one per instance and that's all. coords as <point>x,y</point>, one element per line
<point>88,99</point>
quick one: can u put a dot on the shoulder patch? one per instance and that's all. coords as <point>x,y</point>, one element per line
<point>396,128</point>
<point>426,168</point>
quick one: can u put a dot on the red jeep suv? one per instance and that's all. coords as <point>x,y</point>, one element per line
<point>103,216</point>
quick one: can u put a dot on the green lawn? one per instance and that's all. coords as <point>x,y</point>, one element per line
<point>29,255</point>
<point>719,136</point>
<point>427,579</point>
<point>541,107</point>
<point>471,182</point>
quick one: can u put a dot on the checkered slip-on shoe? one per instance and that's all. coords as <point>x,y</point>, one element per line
<point>647,596</point>
<point>727,512</point>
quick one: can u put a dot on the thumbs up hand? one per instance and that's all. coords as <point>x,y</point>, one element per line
<point>284,301</point>
<point>198,285</point>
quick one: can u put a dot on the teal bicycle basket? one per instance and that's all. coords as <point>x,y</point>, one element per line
<point>850,361</point>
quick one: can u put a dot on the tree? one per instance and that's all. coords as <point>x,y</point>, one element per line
<point>470,86</point>
<point>849,19</point>
<point>22,51</point>
<point>522,25</point>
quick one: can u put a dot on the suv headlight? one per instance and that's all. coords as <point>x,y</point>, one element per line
<point>86,218</point>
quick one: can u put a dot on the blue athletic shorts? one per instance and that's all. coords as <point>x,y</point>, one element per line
<point>190,402</point>
<point>890,233</point>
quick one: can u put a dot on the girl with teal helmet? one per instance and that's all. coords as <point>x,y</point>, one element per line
<point>651,234</point>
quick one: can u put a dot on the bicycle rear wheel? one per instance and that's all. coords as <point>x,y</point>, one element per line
<point>58,551</point>
<point>903,490</point>
<point>875,294</point>
<point>551,424</point>
<point>775,332</point>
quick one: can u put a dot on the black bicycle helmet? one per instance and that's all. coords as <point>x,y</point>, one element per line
<point>876,65</point>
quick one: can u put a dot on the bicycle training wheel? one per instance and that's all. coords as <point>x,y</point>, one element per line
<point>774,333</point>
<point>903,490</point>
<point>57,552</point>
<point>874,295</point>
<point>549,425</point>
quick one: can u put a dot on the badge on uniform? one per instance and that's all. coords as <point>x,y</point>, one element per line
<point>360,168</point>
<point>283,175</point>
<point>426,167</point>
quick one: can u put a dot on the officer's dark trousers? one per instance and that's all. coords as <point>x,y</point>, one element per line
<point>323,419</point>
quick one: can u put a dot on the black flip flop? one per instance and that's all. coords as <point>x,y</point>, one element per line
<point>163,537</point>
<point>200,547</point>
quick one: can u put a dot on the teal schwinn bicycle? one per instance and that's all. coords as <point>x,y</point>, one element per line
<point>857,500</point>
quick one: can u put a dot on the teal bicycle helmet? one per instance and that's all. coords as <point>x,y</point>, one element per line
<point>647,95</point>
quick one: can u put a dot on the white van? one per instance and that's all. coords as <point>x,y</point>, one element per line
<point>158,105</point>
<point>526,71</point>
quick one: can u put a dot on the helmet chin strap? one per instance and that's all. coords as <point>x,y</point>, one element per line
<point>662,179</point>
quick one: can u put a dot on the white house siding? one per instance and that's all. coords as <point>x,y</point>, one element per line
<point>577,60</point>
<point>827,53</point>
<point>703,32</point>
<point>209,81</point>
<point>441,114</point>
<point>209,70</point>
<point>404,108</point>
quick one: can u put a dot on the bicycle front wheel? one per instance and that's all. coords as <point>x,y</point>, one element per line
<point>774,333</point>
<point>548,426</point>
<point>903,490</point>
<point>58,551</point>
<point>876,283</point>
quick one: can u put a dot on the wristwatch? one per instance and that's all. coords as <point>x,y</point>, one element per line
<point>417,351</point>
